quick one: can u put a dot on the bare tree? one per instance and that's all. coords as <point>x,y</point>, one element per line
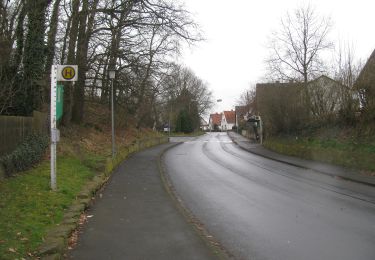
<point>296,46</point>
<point>247,97</point>
<point>346,69</point>
<point>11,14</point>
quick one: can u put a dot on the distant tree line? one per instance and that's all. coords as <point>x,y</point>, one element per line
<point>138,38</point>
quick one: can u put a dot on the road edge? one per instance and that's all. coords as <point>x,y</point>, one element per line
<point>301,166</point>
<point>213,244</point>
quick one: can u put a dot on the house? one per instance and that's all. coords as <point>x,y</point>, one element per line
<point>214,122</point>
<point>228,120</point>
<point>325,96</point>
<point>203,125</point>
<point>287,106</point>
<point>365,85</point>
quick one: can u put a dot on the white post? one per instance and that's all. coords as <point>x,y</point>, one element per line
<point>53,126</point>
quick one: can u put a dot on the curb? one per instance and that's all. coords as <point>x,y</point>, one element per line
<point>213,244</point>
<point>304,167</point>
<point>56,239</point>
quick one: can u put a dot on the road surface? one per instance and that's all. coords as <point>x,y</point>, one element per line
<point>263,209</point>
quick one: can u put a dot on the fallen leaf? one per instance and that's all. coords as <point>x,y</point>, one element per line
<point>24,239</point>
<point>90,216</point>
<point>12,250</point>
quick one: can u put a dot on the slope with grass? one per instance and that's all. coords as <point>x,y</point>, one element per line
<point>346,147</point>
<point>28,208</point>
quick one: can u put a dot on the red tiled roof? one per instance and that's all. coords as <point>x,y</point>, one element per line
<point>230,116</point>
<point>215,119</point>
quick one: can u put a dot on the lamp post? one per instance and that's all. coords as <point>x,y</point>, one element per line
<point>112,75</point>
<point>169,119</point>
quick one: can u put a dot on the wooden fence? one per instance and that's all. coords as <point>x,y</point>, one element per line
<point>13,129</point>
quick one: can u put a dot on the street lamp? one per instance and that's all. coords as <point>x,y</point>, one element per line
<point>112,75</point>
<point>169,121</point>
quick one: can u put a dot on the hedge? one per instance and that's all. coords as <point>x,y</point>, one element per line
<point>28,153</point>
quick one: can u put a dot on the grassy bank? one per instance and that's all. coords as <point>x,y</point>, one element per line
<point>28,208</point>
<point>347,152</point>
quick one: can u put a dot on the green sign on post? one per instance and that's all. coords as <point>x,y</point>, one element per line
<point>59,101</point>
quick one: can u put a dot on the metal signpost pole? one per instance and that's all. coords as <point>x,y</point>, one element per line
<point>58,73</point>
<point>53,126</point>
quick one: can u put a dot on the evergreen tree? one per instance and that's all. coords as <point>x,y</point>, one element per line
<point>184,122</point>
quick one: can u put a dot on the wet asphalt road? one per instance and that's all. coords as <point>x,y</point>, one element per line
<point>263,209</point>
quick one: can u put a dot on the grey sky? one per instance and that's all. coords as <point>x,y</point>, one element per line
<point>236,31</point>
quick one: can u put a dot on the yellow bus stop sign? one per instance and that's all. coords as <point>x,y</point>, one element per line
<point>67,73</point>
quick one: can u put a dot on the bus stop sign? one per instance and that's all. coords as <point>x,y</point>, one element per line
<point>67,73</point>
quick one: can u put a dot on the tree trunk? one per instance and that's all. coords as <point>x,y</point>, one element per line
<point>68,90</point>
<point>79,89</point>
<point>20,36</point>
<point>34,53</point>
<point>85,31</point>
<point>51,46</point>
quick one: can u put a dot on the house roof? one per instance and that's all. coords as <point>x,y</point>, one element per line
<point>367,75</point>
<point>203,122</point>
<point>230,116</point>
<point>278,84</point>
<point>215,119</point>
<point>323,77</point>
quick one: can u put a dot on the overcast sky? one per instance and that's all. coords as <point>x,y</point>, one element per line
<point>233,55</point>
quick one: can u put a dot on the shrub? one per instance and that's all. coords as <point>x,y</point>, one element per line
<point>29,152</point>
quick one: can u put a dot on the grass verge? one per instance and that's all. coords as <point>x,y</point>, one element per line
<point>28,208</point>
<point>349,153</point>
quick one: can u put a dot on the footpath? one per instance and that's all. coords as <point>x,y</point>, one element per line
<point>325,168</point>
<point>135,218</point>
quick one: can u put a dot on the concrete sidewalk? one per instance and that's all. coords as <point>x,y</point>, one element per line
<point>329,169</point>
<point>135,218</point>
